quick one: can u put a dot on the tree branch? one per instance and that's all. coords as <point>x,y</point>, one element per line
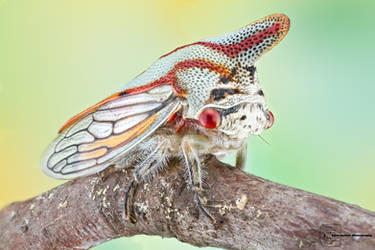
<point>251,213</point>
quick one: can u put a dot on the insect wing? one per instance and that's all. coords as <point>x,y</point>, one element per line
<point>96,138</point>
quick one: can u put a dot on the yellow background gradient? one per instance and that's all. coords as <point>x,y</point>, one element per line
<point>60,57</point>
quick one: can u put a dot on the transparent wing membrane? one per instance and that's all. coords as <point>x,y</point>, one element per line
<point>99,138</point>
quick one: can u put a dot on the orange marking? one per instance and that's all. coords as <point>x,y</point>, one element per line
<point>169,78</point>
<point>180,126</point>
<point>114,141</point>
<point>89,111</point>
<point>172,116</point>
<point>181,47</point>
<point>93,154</point>
<point>146,87</point>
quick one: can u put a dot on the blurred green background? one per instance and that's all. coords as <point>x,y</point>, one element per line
<point>60,57</point>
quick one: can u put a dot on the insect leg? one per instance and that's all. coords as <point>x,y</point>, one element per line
<point>152,155</point>
<point>194,173</point>
<point>128,202</point>
<point>241,156</point>
<point>154,159</point>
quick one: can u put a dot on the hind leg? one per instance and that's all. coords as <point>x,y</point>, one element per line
<point>127,202</point>
<point>151,157</point>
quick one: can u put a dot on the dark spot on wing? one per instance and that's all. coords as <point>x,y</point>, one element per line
<point>260,92</point>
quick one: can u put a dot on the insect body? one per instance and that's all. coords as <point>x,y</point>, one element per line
<point>200,98</point>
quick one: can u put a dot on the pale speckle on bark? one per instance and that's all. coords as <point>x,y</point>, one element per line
<point>251,213</point>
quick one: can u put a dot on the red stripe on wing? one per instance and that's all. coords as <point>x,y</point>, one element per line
<point>169,78</point>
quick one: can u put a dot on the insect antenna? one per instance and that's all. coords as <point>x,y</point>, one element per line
<point>261,137</point>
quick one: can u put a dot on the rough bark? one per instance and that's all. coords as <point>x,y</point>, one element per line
<point>251,213</point>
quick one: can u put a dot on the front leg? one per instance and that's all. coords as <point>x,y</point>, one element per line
<point>241,156</point>
<point>194,173</point>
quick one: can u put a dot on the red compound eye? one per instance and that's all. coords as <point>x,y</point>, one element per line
<point>209,118</point>
<point>271,119</point>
